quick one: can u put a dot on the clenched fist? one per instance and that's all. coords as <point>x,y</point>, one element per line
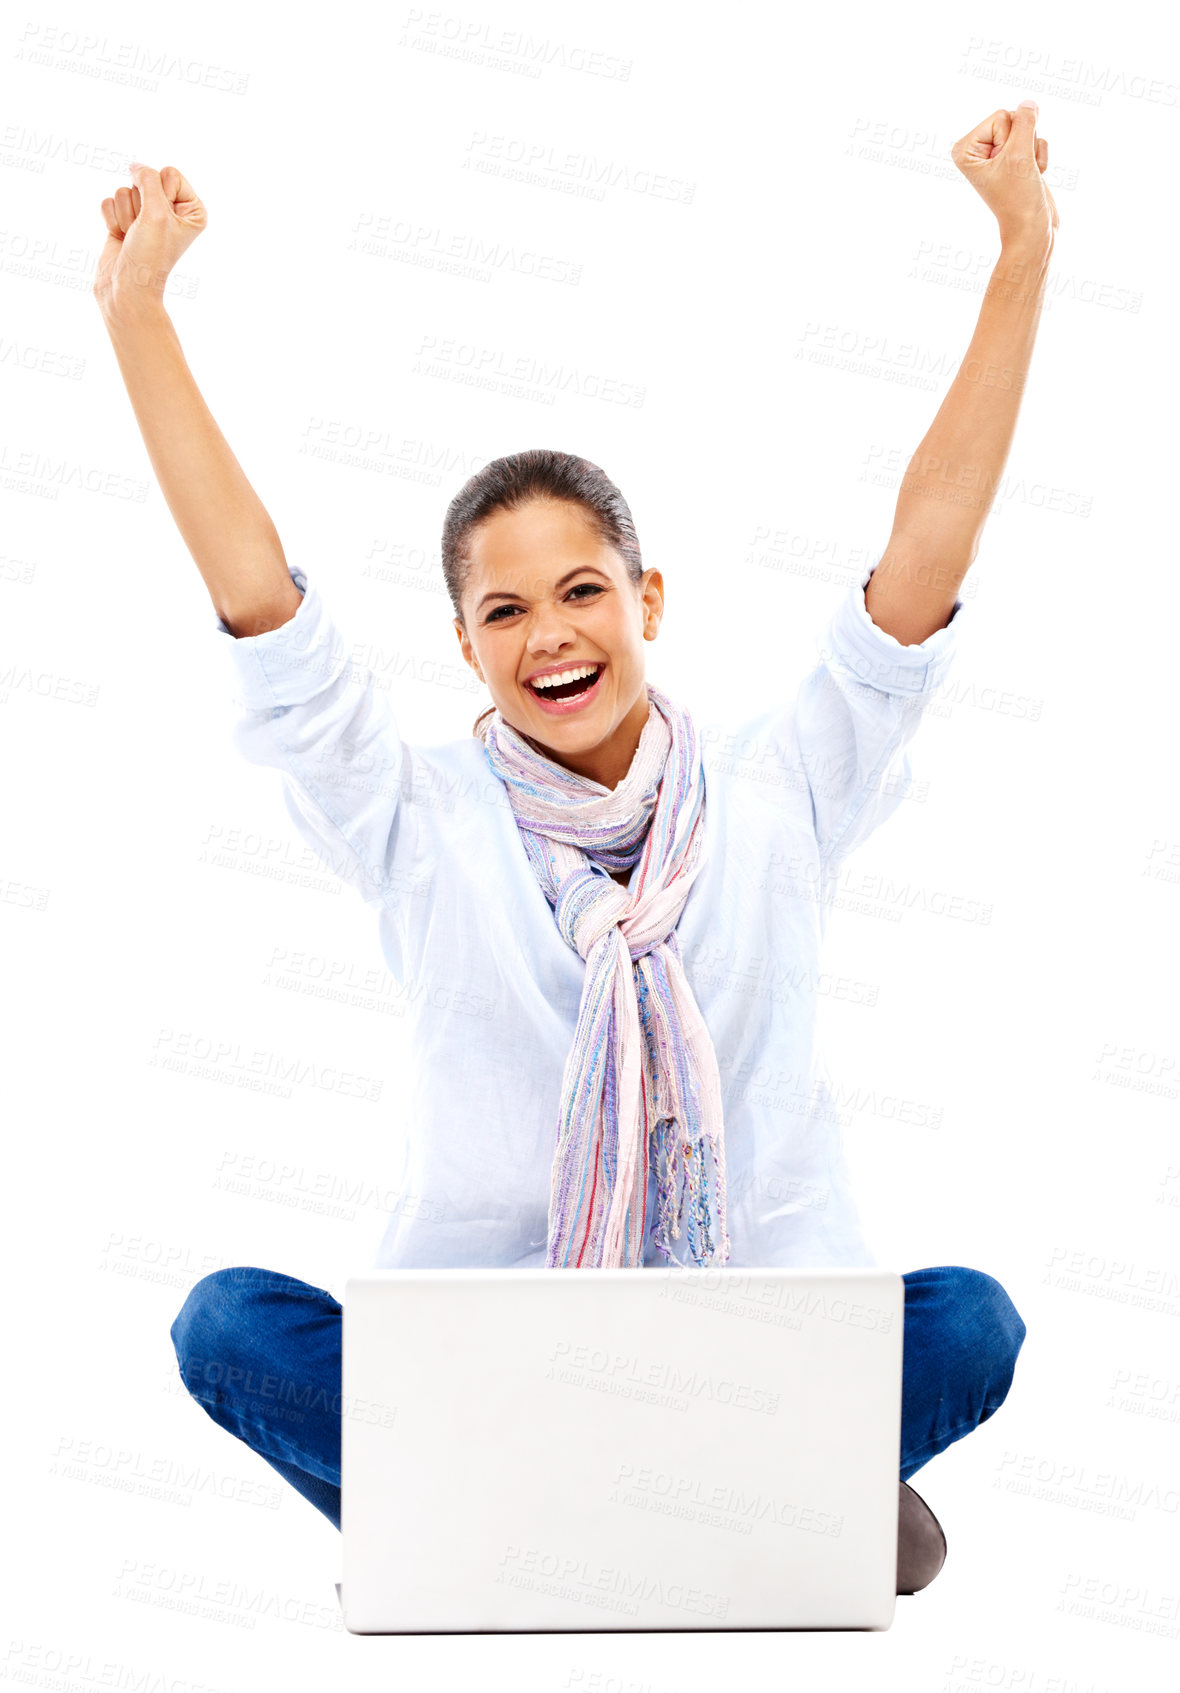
<point>149,226</point>
<point>1005,160</point>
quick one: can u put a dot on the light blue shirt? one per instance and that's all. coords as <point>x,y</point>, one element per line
<point>426,836</point>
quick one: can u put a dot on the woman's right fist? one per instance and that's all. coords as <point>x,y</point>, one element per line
<point>149,226</point>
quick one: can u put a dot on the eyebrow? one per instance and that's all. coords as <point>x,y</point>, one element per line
<point>499,593</point>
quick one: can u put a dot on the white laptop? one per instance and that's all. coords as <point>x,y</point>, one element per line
<point>536,1450</point>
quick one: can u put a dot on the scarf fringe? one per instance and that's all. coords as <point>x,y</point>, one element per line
<point>683,1182</point>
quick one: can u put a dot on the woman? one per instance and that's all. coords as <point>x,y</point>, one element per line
<point>611,1045</point>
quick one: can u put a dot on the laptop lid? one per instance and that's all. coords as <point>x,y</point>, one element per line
<point>547,1450</point>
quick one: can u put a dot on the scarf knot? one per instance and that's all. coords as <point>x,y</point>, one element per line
<point>641,1086</point>
<point>589,906</point>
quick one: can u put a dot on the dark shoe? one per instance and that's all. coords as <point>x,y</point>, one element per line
<point>921,1544</point>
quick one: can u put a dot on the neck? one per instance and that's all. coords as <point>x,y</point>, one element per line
<point>608,762</point>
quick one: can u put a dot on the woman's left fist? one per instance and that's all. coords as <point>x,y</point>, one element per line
<point>1004,159</point>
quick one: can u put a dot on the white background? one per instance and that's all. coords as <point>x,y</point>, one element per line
<point>780,182</point>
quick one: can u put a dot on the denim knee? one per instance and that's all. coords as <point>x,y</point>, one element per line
<point>205,1325</point>
<point>996,1329</point>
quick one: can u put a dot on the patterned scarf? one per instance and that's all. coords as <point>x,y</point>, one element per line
<point>641,1081</point>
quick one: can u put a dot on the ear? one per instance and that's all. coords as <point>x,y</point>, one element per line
<point>466,648</point>
<point>653,603</point>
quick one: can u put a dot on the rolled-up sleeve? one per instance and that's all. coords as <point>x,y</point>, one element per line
<point>856,714</point>
<point>304,708</point>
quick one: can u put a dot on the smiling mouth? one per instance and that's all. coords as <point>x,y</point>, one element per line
<point>567,690</point>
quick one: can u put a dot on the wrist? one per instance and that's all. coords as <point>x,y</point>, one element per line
<point>1021,272</point>
<point>1027,244</point>
<point>133,314</point>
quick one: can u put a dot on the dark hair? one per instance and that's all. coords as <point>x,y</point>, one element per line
<point>540,473</point>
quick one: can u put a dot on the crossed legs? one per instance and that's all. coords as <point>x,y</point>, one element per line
<point>261,1352</point>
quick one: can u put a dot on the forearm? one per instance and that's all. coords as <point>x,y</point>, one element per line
<point>223,523</point>
<point>950,483</point>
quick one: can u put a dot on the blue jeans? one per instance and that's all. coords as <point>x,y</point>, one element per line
<point>261,1352</point>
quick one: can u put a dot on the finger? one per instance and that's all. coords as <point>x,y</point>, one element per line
<point>112,222</point>
<point>123,209</point>
<point>176,185</point>
<point>136,201</point>
<point>1042,154</point>
<point>984,140</point>
<point>1024,128</point>
<point>148,187</point>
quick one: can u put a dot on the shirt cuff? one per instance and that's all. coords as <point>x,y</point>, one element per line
<point>291,664</point>
<point>856,645</point>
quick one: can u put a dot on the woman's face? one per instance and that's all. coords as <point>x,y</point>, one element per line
<point>546,593</point>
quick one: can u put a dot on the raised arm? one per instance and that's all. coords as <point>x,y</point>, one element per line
<point>950,483</point>
<point>303,707</point>
<point>224,524</point>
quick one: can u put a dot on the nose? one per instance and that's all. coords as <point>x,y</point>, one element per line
<point>549,631</point>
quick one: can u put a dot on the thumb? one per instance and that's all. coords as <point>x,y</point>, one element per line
<point>151,189</point>
<point>1024,128</point>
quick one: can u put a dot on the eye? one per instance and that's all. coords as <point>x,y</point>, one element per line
<point>591,587</point>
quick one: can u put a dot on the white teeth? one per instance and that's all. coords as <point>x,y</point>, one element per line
<point>565,676</point>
